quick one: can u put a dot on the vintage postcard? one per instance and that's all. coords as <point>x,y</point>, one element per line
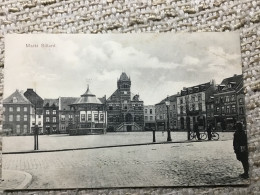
<point>123,110</point>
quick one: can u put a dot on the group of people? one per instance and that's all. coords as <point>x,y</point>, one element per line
<point>209,131</point>
<point>239,145</point>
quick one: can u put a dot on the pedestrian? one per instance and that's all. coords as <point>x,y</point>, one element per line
<point>240,148</point>
<point>196,130</point>
<point>209,131</point>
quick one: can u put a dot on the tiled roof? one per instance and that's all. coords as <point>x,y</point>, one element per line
<point>50,102</point>
<point>16,98</point>
<point>65,102</point>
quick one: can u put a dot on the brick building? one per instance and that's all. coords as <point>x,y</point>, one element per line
<point>161,113</point>
<point>149,117</point>
<point>51,116</point>
<point>229,103</point>
<point>125,110</point>
<point>191,105</point>
<point>66,114</point>
<point>18,111</point>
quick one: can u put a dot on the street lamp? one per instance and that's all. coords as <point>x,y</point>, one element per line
<point>167,103</point>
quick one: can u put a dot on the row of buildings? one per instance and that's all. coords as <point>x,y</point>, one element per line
<point>221,105</point>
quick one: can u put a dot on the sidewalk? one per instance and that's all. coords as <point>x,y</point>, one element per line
<point>13,179</point>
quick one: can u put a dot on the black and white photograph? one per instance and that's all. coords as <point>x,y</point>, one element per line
<point>123,110</point>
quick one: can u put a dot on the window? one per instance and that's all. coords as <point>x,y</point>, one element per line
<point>18,117</point>
<point>181,108</point>
<point>70,116</point>
<point>151,111</point>
<point>18,109</point>
<point>241,110</point>
<point>25,128</point>
<point>228,109</point>
<point>125,92</point>
<point>18,130</point>
<point>217,100</point>
<point>199,97</point>
<point>233,109</point>
<point>193,107</point>
<point>47,119</point>
<point>200,106</point>
<point>54,119</point>
<point>62,117</point>
<point>240,101</point>
<point>223,109</point>
<point>83,117</point>
<point>96,117</point>
<point>181,101</point>
<point>101,117</point>
<point>11,118</point>
<point>110,107</point>
<point>25,109</point>
<point>125,101</point>
<point>145,111</point>
<point>39,116</point>
<point>193,99</point>
<point>233,98</point>
<point>217,109</point>
<point>11,109</point>
<point>146,118</point>
<point>151,118</point>
<point>47,112</point>
<point>212,106</point>
<point>89,117</point>
<point>14,100</point>
<point>227,98</point>
<point>54,112</point>
<point>25,117</point>
<point>173,107</point>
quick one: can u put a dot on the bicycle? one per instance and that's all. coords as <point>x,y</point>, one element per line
<point>214,135</point>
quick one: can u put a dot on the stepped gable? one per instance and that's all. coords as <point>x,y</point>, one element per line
<point>16,98</point>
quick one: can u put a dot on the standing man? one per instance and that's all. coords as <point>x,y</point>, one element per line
<point>196,130</point>
<point>240,148</point>
<point>209,130</point>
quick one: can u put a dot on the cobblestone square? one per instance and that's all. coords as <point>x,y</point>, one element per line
<point>172,164</point>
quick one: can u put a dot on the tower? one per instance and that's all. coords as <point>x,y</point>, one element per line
<point>124,88</point>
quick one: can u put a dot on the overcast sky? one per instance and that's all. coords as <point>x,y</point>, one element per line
<point>158,64</point>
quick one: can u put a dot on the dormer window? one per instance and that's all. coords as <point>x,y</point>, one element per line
<point>14,100</point>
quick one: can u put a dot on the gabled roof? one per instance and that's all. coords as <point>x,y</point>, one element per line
<point>33,97</point>
<point>16,98</point>
<point>51,102</point>
<point>65,102</point>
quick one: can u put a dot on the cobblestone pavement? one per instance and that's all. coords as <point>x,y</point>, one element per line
<point>195,163</point>
<point>57,142</point>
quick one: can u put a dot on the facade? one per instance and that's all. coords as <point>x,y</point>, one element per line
<point>162,116</point>
<point>51,116</point>
<point>229,103</point>
<point>37,103</point>
<point>89,115</point>
<point>125,110</point>
<point>66,114</point>
<point>17,114</point>
<point>149,117</point>
<point>191,105</point>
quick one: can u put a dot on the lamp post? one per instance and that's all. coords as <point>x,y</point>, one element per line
<point>167,103</point>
